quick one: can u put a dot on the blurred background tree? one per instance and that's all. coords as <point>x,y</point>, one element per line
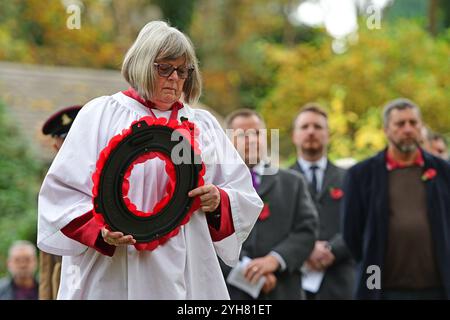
<point>231,38</point>
<point>381,65</point>
<point>35,31</point>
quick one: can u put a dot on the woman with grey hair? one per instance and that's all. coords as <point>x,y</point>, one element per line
<point>162,70</point>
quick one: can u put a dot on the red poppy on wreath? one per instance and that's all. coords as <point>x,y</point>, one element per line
<point>429,174</point>
<point>265,213</point>
<point>336,193</point>
<point>111,202</point>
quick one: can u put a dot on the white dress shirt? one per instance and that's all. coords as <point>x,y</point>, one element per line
<point>320,171</point>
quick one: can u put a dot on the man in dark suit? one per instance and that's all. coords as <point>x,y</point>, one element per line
<point>397,214</point>
<point>284,235</point>
<point>330,255</point>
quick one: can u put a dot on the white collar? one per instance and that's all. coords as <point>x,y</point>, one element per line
<point>259,168</point>
<point>305,165</point>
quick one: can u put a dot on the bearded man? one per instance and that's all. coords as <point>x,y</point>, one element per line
<point>396,214</point>
<point>330,257</point>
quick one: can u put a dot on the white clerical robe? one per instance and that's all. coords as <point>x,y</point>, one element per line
<point>186,267</point>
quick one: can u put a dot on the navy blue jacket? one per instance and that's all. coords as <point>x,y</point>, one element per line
<point>365,213</point>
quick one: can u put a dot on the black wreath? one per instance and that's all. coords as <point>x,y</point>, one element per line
<point>109,200</point>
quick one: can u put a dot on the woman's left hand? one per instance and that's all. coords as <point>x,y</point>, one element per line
<point>117,238</point>
<point>209,197</point>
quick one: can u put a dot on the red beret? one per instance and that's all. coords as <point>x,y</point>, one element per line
<point>60,122</point>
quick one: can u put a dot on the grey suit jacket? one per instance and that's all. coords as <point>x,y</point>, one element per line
<point>290,230</point>
<point>339,279</point>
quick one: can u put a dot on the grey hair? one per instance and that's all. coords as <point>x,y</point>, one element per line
<point>398,104</point>
<point>21,244</point>
<point>157,41</point>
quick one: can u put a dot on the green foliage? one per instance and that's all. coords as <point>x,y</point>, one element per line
<point>177,12</point>
<point>231,38</point>
<point>35,31</point>
<point>399,60</point>
<point>20,178</point>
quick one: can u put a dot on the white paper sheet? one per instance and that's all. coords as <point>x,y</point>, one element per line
<point>236,278</point>
<point>311,280</point>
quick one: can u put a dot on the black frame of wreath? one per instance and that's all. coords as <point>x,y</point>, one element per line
<point>109,200</point>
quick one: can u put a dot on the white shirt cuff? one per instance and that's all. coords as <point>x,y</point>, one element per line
<point>280,260</point>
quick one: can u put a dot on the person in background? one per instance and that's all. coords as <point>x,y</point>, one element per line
<point>22,263</point>
<point>284,235</point>
<point>330,255</point>
<point>396,214</point>
<point>438,146</point>
<point>424,138</point>
<point>57,126</point>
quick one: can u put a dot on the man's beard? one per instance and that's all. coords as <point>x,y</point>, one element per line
<point>406,148</point>
<point>312,152</point>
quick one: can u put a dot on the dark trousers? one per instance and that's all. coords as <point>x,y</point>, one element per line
<point>310,296</point>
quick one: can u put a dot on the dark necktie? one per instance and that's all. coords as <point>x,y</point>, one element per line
<point>313,169</point>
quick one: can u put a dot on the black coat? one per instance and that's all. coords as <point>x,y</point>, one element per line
<point>366,214</point>
<point>339,279</point>
<point>290,230</point>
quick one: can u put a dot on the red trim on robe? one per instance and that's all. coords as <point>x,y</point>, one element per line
<point>133,94</point>
<point>226,226</point>
<point>87,230</point>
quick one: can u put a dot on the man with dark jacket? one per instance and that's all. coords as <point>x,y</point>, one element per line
<point>330,256</point>
<point>22,263</point>
<point>284,235</point>
<point>397,214</point>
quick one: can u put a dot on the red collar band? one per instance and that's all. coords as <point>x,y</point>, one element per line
<point>151,105</point>
<point>393,164</point>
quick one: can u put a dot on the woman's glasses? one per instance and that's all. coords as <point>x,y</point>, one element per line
<point>165,70</point>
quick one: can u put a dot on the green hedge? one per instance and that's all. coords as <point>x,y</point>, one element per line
<point>20,179</point>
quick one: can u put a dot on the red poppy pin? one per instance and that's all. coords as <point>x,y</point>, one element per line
<point>429,174</point>
<point>336,193</point>
<point>265,213</point>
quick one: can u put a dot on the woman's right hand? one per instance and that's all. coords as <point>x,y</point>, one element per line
<point>116,238</point>
<point>270,284</point>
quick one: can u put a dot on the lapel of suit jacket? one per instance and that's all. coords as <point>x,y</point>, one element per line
<point>434,210</point>
<point>430,188</point>
<point>381,188</point>
<point>267,182</point>
<point>328,179</point>
<point>296,166</point>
